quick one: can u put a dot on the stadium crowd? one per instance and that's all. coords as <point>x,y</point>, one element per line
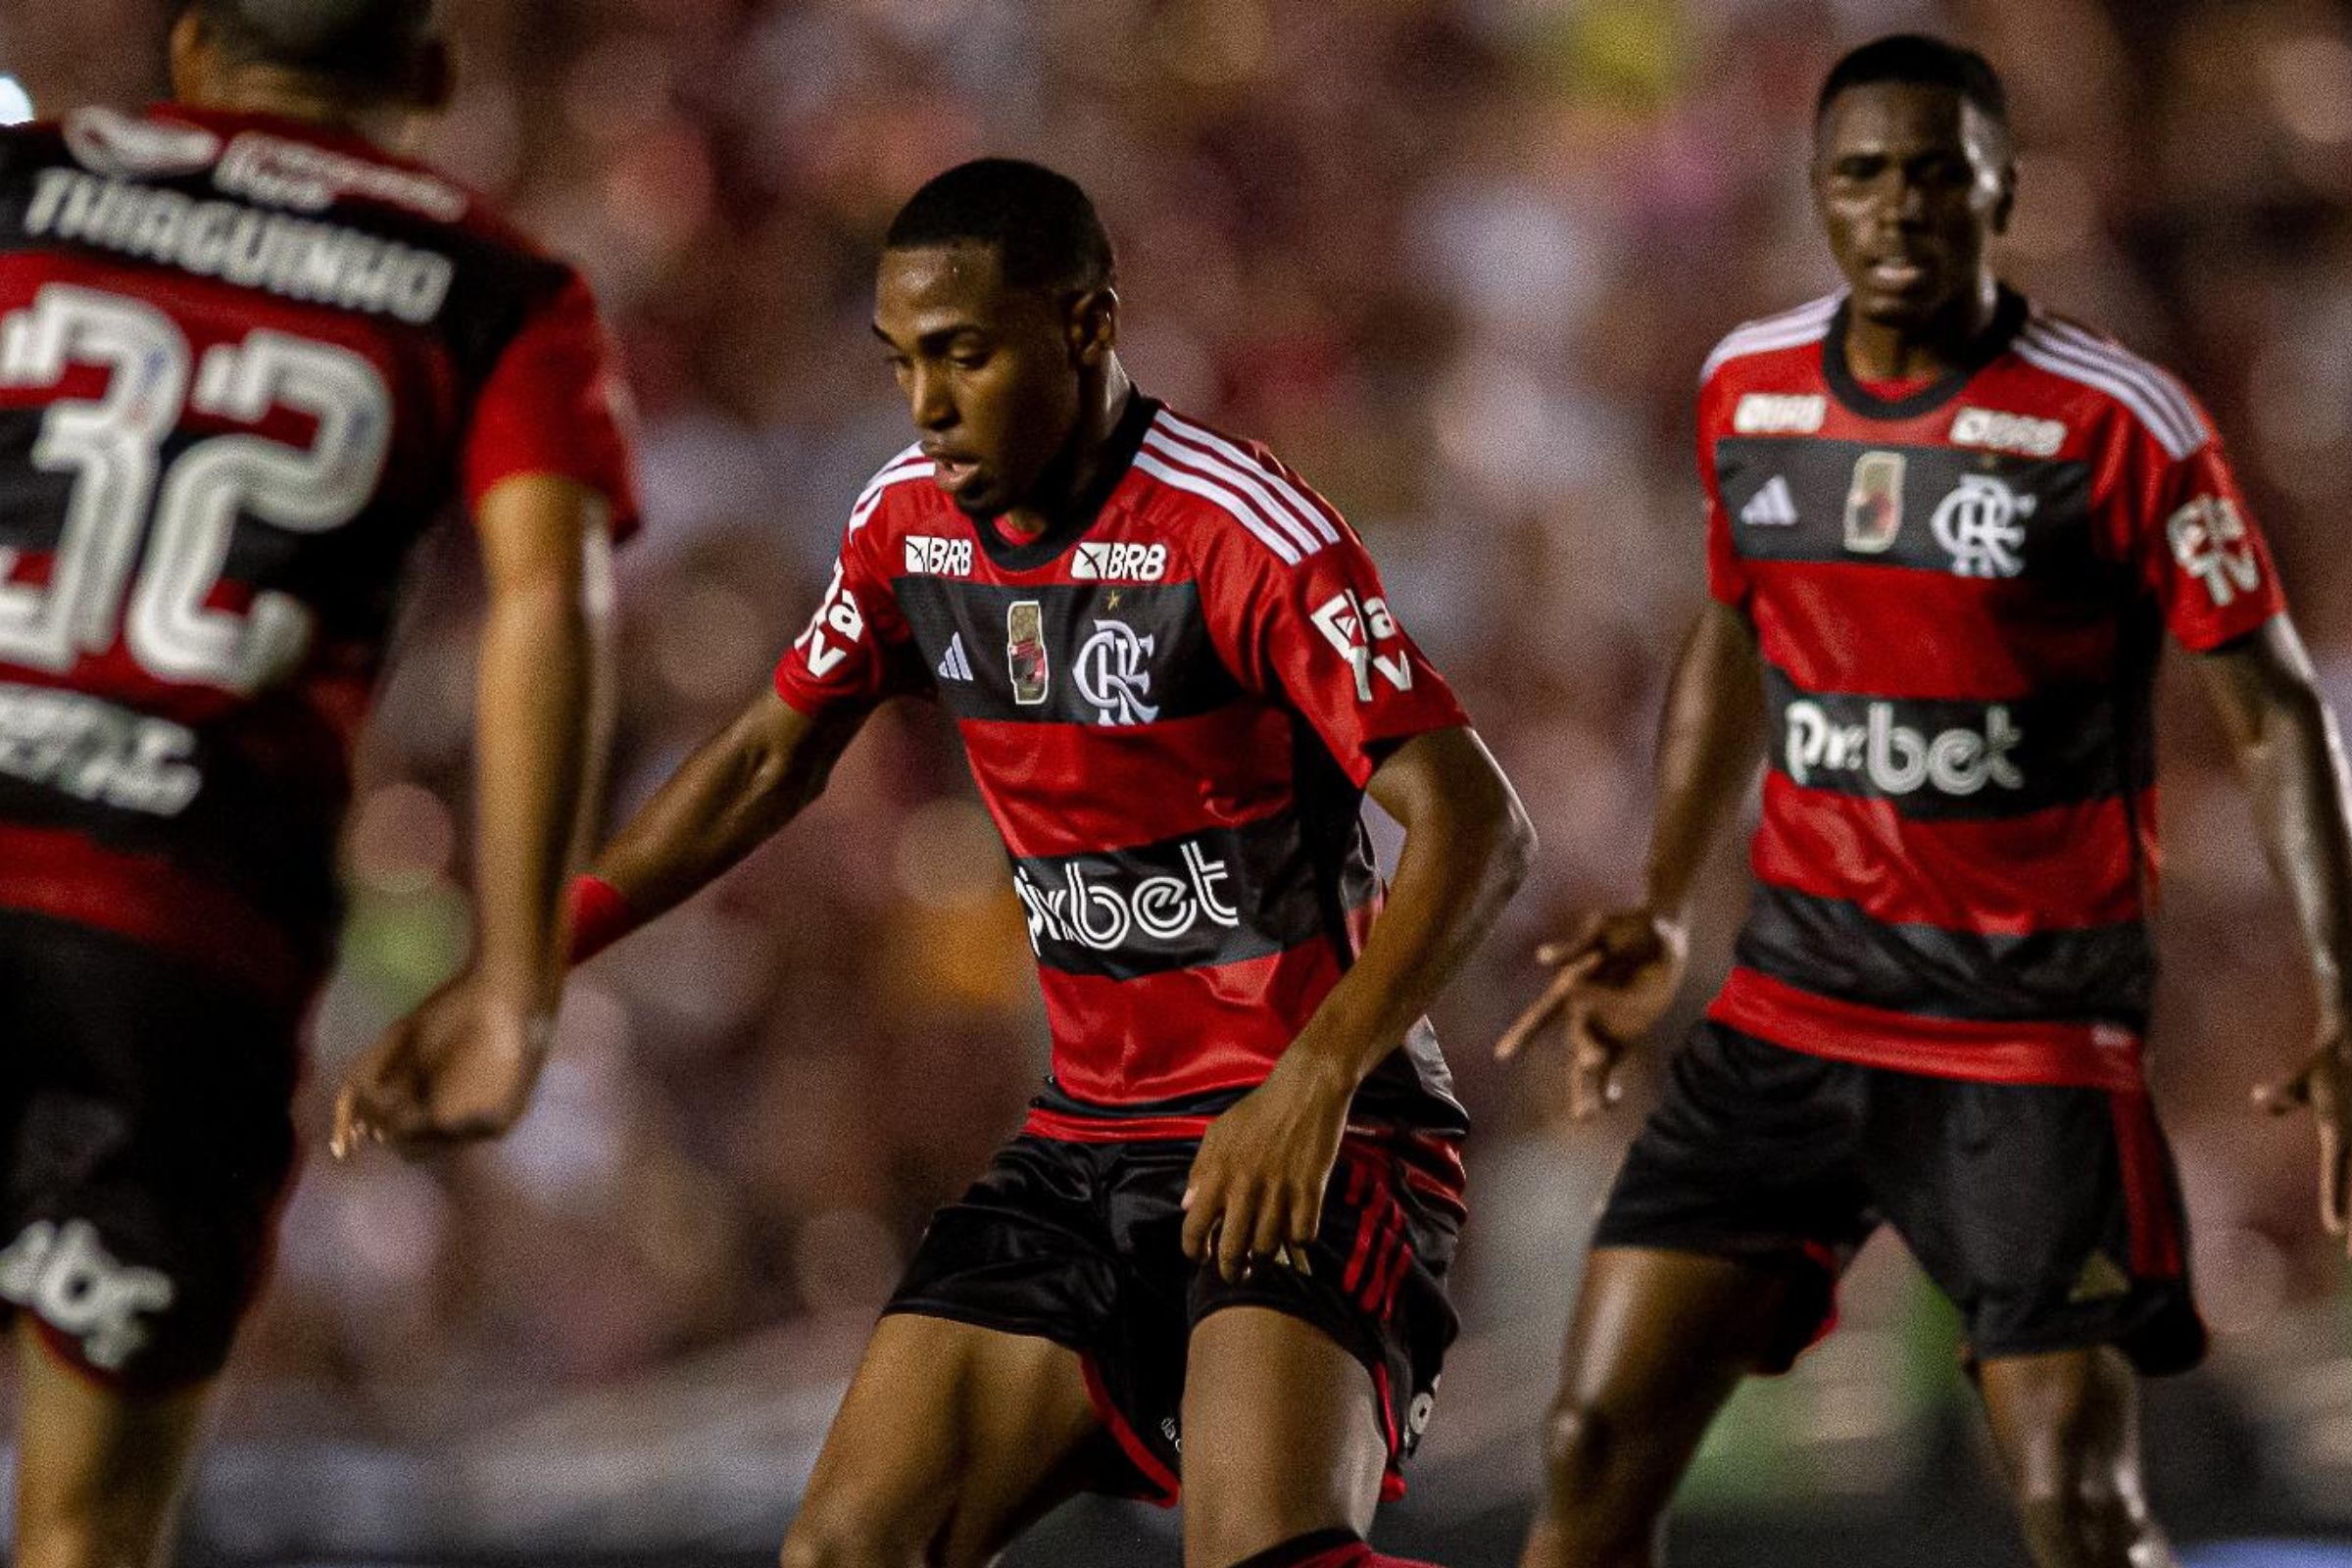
<point>1457,261</point>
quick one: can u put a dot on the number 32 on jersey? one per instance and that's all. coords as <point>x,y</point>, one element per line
<point>186,510</point>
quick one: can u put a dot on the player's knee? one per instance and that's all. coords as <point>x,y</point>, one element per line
<point>1579,1448</point>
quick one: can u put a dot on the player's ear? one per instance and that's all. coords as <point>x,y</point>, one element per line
<point>1093,325</point>
<point>433,79</point>
<point>192,57</point>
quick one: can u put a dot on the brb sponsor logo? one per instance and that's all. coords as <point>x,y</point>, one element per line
<point>64,1276</point>
<point>1113,562</point>
<point>927,557</point>
<point>1780,414</point>
<point>1896,759</point>
<point>1356,628</point>
<point>2019,433</point>
<point>1088,909</point>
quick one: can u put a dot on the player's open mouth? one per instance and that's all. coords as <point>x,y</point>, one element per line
<point>1897,272</point>
<point>952,474</point>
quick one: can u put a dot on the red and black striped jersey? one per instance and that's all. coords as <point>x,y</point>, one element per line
<point>244,361</point>
<point>1171,705</point>
<point>1960,593</point>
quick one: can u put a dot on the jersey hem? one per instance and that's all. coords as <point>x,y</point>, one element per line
<point>2055,1055</point>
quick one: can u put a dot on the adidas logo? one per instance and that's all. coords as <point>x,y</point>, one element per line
<point>955,666</point>
<point>1772,507</point>
<point>2100,1280</point>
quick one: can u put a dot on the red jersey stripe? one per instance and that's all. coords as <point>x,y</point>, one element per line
<point>1181,1031</point>
<point>2067,1054</point>
<point>2071,865</point>
<point>1065,788</point>
<point>1838,627</point>
<point>61,875</point>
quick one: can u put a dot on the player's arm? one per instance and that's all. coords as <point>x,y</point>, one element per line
<point>739,787</point>
<point>1257,1183</point>
<point>2291,756</point>
<point>463,1065</point>
<point>1616,974</point>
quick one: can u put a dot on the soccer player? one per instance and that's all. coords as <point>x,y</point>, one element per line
<point>1948,533</point>
<point>1175,673</point>
<point>246,356</point>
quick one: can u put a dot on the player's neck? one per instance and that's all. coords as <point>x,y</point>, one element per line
<point>1080,471</point>
<point>1879,351</point>
<point>292,95</point>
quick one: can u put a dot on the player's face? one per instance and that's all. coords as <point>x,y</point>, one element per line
<point>1912,182</point>
<point>990,372</point>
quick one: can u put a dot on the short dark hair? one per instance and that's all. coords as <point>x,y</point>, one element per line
<point>369,43</point>
<point>1043,230</point>
<point>1913,57</point>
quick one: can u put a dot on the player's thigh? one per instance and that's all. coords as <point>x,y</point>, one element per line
<point>100,1470</point>
<point>951,1440</point>
<point>1283,1436</point>
<point>1717,1250</point>
<point>2049,1215</point>
<point>1657,1342</point>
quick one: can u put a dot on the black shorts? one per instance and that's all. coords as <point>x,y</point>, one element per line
<point>1081,1243</point>
<point>2049,1215</point>
<point>147,1123</point>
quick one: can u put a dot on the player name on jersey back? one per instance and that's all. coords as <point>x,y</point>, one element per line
<point>244,364</point>
<point>295,258</point>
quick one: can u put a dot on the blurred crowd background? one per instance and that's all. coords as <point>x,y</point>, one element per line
<point>1458,262</point>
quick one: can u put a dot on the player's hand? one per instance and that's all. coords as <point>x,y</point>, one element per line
<point>1615,979</point>
<point>460,1067</point>
<point>1256,1192</point>
<point>2324,1083</point>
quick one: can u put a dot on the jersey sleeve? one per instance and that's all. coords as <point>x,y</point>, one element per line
<point>858,649</point>
<point>2194,543</point>
<point>1727,573</point>
<point>554,404</point>
<point>1318,637</point>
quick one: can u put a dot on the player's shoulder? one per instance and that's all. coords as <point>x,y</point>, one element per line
<point>896,497</point>
<point>2080,363</point>
<point>1214,492</point>
<point>1765,344</point>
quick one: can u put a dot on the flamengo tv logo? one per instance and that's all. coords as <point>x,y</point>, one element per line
<point>67,1278</point>
<point>1353,627</point>
<point>1898,760</point>
<point>1085,912</point>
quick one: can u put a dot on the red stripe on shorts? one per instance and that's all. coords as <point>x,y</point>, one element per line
<point>2148,1197</point>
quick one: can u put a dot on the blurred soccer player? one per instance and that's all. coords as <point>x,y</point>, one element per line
<point>1946,535</point>
<point>246,356</point>
<point>1232,1209</point>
